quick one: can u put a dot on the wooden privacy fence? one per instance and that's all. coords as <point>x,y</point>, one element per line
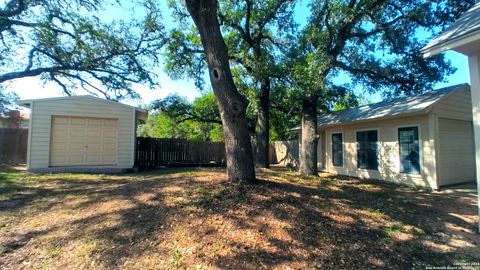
<point>153,152</point>
<point>13,145</point>
<point>285,153</point>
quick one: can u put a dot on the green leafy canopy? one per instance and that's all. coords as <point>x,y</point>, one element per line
<point>66,42</point>
<point>175,117</point>
<point>375,42</point>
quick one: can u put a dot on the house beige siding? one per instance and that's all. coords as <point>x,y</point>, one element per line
<point>455,141</point>
<point>388,151</point>
<point>446,144</point>
<point>457,105</point>
<point>456,152</point>
<point>44,110</point>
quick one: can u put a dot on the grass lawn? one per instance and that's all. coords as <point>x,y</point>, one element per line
<point>195,219</point>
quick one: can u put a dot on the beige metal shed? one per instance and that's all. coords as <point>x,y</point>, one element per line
<point>81,133</point>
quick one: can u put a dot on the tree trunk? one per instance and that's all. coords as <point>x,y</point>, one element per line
<point>232,105</point>
<point>263,135</point>
<point>308,151</point>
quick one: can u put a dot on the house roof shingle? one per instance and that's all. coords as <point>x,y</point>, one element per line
<point>397,107</point>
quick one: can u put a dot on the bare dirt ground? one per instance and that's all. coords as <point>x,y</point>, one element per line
<point>195,219</point>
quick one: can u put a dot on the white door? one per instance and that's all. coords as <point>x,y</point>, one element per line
<point>457,151</point>
<point>77,141</point>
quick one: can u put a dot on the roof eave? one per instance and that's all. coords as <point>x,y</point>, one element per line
<point>450,91</point>
<point>455,44</point>
<point>141,114</point>
<point>387,117</point>
<point>25,103</point>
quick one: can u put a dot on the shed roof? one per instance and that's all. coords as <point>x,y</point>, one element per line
<point>27,102</point>
<point>411,105</point>
<point>463,35</point>
<point>141,113</point>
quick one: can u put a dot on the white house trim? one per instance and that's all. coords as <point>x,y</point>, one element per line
<point>454,44</point>
<point>464,37</point>
<point>474,65</point>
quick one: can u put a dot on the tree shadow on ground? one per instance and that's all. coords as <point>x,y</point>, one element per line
<point>109,211</point>
<point>178,219</point>
<point>345,223</point>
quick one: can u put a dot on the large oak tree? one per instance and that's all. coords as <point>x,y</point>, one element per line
<point>232,105</point>
<point>256,33</point>
<point>259,30</point>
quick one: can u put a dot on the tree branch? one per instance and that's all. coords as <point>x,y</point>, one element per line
<point>288,111</point>
<point>13,8</point>
<point>270,16</point>
<point>64,87</point>
<point>200,119</point>
<point>247,19</point>
<point>235,26</point>
<point>29,73</point>
<point>371,74</point>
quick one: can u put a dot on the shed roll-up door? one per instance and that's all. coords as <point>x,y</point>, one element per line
<point>77,141</point>
<point>457,151</point>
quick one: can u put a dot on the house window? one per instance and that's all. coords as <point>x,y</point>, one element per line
<point>337,149</point>
<point>409,150</point>
<point>367,157</point>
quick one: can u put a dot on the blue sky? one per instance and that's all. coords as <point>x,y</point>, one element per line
<point>31,88</point>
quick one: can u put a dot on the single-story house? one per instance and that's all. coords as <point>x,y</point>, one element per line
<point>423,140</point>
<point>81,133</point>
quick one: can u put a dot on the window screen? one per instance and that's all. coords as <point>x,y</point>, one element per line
<point>409,150</point>
<point>337,149</point>
<point>367,150</point>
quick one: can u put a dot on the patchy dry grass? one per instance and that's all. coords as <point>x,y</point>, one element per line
<point>195,219</point>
